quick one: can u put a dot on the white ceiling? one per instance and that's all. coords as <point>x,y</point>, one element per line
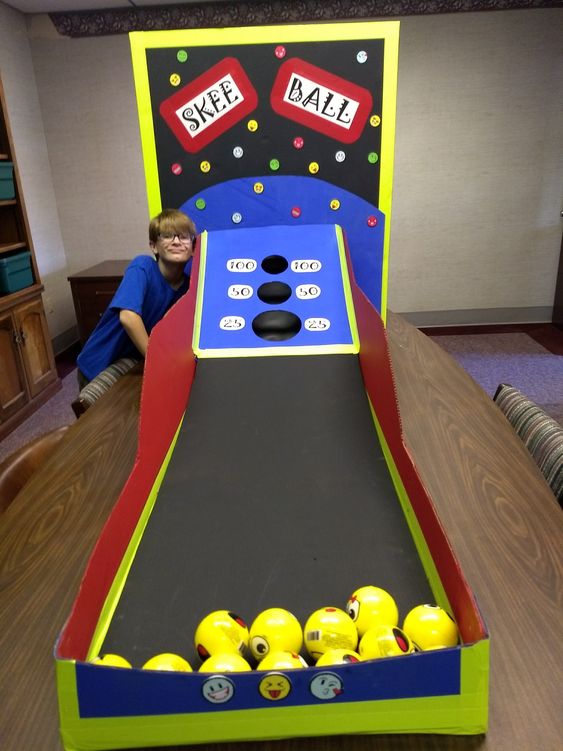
<point>54,6</point>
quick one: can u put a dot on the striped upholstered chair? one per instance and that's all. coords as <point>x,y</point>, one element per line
<point>102,383</point>
<point>542,436</point>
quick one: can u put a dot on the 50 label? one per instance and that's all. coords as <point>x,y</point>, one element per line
<point>240,291</point>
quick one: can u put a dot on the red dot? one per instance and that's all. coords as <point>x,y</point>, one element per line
<point>296,212</point>
<point>372,221</point>
<point>279,52</point>
<point>176,169</point>
<point>298,142</point>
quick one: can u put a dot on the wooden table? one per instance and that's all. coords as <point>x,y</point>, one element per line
<point>502,520</point>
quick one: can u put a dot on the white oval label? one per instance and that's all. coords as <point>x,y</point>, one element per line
<point>304,265</point>
<point>231,323</point>
<point>307,291</point>
<point>317,324</point>
<point>241,264</point>
<point>240,291</point>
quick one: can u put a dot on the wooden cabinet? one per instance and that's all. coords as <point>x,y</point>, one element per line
<point>28,376</point>
<point>92,291</point>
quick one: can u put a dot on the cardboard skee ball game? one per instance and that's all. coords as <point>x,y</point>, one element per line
<point>271,470</point>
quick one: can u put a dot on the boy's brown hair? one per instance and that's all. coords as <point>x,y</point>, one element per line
<point>171,220</point>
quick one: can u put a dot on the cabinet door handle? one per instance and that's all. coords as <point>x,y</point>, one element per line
<point>16,337</point>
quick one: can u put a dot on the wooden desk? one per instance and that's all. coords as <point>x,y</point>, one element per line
<point>92,291</point>
<point>503,521</point>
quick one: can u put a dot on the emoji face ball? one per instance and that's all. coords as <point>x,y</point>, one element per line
<point>338,657</point>
<point>275,630</point>
<point>329,628</point>
<point>282,660</point>
<point>430,626</point>
<point>370,606</point>
<point>219,632</point>
<point>227,662</point>
<point>168,661</point>
<point>111,660</point>
<point>384,641</point>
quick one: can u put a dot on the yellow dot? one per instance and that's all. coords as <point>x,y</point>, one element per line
<point>335,204</point>
<point>175,79</point>
<point>252,125</point>
<point>205,166</point>
<point>258,188</point>
<point>374,121</point>
<point>313,168</point>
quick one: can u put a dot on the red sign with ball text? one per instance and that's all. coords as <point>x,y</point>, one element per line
<point>321,100</point>
<point>209,105</point>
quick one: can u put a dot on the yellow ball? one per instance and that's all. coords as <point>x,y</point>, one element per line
<point>384,641</point>
<point>275,630</point>
<point>329,628</point>
<point>371,606</point>
<point>282,660</point>
<point>219,632</point>
<point>338,657</point>
<point>114,661</point>
<point>168,661</point>
<point>430,626</point>
<point>228,662</point>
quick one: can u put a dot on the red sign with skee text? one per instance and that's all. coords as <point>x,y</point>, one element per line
<point>321,100</point>
<point>209,105</point>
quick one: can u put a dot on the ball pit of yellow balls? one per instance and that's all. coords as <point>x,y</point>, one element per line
<point>385,641</point>
<point>168,661</point>
<point>431,627</point>
<point>282,660</point>
<point>111,660</point>
<point>227,662</point>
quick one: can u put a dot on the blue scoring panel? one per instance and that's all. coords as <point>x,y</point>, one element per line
<point>274,286</point>
<point>113,692</point>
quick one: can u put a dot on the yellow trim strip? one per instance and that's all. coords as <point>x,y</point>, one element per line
<point>419,540</point>
<point>199,299</point>
<point>347,289</point>
<point>318,349</point>
<point>146,126</point>
<point>116,589</point>
<point>388,115</point>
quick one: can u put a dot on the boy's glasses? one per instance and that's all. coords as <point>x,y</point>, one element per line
<point>168,237</point>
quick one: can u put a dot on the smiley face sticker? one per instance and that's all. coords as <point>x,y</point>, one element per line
<point>218,689</point>
<point>274,686</point>
<point>175,79</point>
<point>326,686</point>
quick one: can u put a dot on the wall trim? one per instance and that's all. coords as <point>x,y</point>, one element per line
<point>264,12</point>
<point>477,316</point>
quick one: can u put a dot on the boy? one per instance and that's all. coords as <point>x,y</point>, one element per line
<point>149,288</point>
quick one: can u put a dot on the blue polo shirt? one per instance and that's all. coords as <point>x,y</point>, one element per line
<point>144,291</point>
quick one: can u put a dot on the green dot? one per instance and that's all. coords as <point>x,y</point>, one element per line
<point>373,157</point>
<point>274,165</point>
<point>181,56</point>
<point>200,203</point>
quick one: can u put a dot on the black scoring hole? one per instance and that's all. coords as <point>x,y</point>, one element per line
<point>274,264</point>
<point>276,325</point>
<point>274,293</point>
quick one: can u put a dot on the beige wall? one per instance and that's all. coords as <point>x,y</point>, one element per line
<point>475,231</point>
